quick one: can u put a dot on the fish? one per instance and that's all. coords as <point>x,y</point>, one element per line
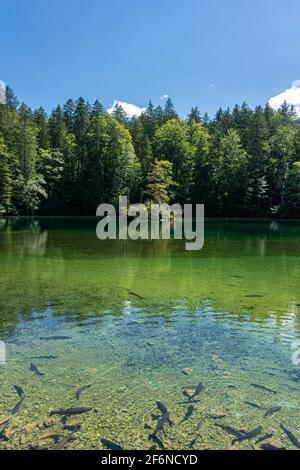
<point>162,408</point>
<point>80,390</point>
<point>71,411</point>
<point>35,369</point>
<point>269,446</point>
<point>54,338</point>
<point>45,357</point>
<point>291,436</point>
<point>236,276</point>
<point>111,445</point>
<point>272,410</point>
<point>263,388</point>
<point>156,440</point>
<point>63,442</point>
<point>155,417</point>
<point>254,405</point>
<point>254,296</point>
<point>4,421</point>
<point>263,438</point>
<point>19,391</point>
<point>230,430</point>
<point>248,435</point>
<point>216,416</point>
<point>72,427</point>
<point>188,414</point>
<point>136,295</point>
<point>54,305</point>
<point>31,447</point>
<point>161,422</point>
<point>198,389</point>
<point>18,406</point>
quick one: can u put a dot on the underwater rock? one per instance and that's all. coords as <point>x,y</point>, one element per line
<point>80,390</point>
<point>271,411</point>
<point>9,432</point>
<point>110,445</point>
<point>22,439</point>
<point>44,444</point>
<point>198,390</point>
<point>29,428</point>
<point>187,370</point>
<point>291,436</point>
<point>147,426</point>
<point>189,391</point>
<point>18,406</point>
<point>48,422</point>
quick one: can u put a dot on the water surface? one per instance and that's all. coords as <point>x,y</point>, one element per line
<point>144,321</point>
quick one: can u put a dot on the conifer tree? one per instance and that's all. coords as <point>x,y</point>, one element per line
<point>6,187</point>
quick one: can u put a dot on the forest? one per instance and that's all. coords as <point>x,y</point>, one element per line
<point>242,163</point>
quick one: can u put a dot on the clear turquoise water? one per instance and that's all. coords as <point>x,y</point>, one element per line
<point>136,315</point>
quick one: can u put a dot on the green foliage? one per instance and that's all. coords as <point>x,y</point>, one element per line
<point>159,182</point>
<point>50,164</point>
<point>243,162</point>
<point>111,162</point>
<point>171,143</point>
<point>28,193</point>
<point>233,181</point>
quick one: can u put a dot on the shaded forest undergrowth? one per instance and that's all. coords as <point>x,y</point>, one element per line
<point>241,163</point>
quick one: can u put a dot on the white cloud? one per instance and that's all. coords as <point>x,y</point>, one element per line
<point>130,109</point>
<point>164,97</point>
<point>291,96</point>
<point>2,92</point>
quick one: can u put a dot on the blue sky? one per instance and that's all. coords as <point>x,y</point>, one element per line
<point>208,53</point>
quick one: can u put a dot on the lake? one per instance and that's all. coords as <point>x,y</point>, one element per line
<point>146,321</point>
